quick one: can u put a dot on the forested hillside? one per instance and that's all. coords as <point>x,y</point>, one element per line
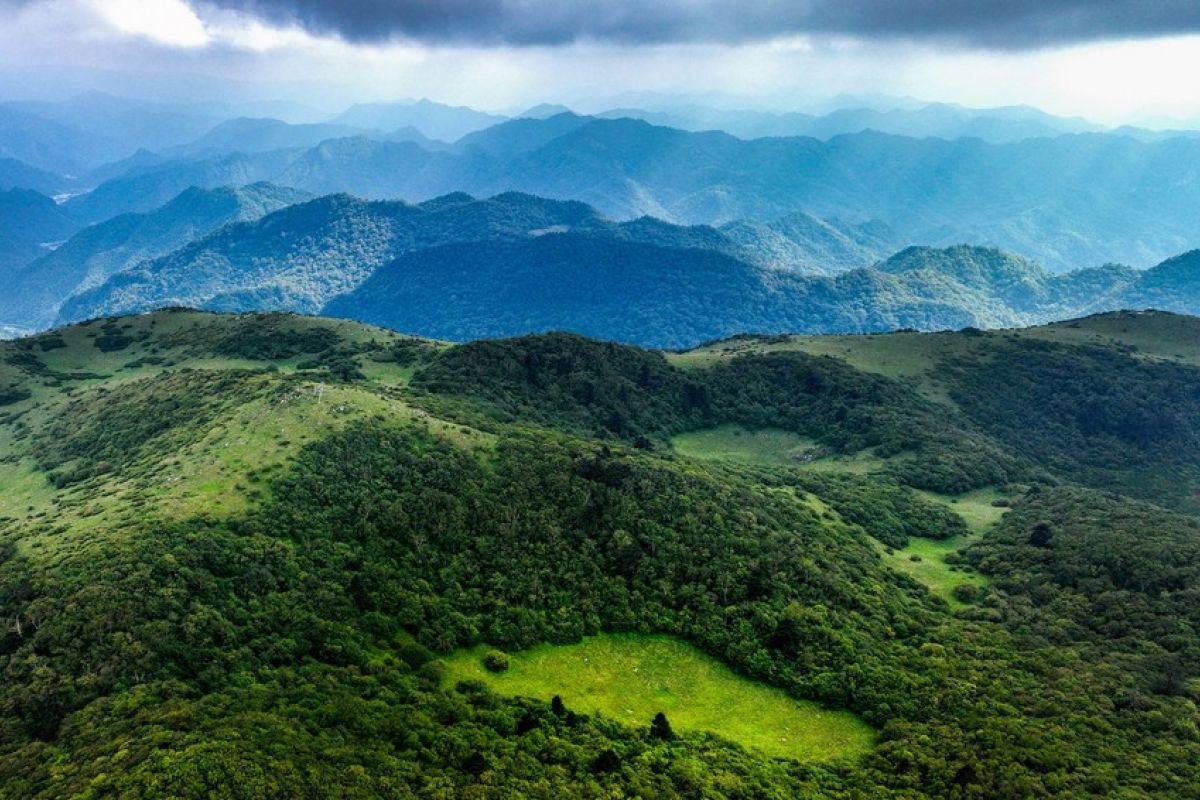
<point>90,257</point>
<point>237,554</point>
<point>459,268</point>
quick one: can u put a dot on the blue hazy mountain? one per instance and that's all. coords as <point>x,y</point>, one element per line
<point>126,124</point>
<point>151,181</point>
<point>249,135</point>
<point>942,120</point>
<point>35,292</point>
<point>84,132</point>
<point>1065,202</point>
<point>16,174</point>
<point>457,267</point>
<point>31,224</point>
<point>434,120</point>
<point>50,145</point>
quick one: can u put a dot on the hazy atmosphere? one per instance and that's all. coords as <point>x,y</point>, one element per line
<point>565,400</point>
<point>1114,61</point>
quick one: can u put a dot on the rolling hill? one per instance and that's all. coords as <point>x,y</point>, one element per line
<point>265,554</point>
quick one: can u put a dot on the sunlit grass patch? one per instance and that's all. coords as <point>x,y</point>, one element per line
<point>925,559</point>
<point>769,447</point>
<point>631,677</point>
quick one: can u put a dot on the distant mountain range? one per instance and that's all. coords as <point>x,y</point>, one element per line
<point>586,213</point>
<point>940,120</point>
<point>461,268</point>
<point>435,120</point>
<point>1074,199</point>
<point>303,256</point>
<point>1067,202</point>
<point>34,293</point>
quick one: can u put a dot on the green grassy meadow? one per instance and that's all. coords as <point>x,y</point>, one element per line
<point>631,677</point>
<point>768,447</point>
<point>931,569</point>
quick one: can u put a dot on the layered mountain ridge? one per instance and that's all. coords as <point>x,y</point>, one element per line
<point>461,268</point>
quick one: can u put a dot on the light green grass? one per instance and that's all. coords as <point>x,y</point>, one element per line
<point>1153,335</point>
<point>630,678</point>
<point>768,447</point>
<point>896,355</point>
<point>932,570</point>
<point>941,578</point>
<point>908,357</point>
<point>226,466</point>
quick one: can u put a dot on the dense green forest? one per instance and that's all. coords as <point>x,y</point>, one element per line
<point>460,268</point>
<point>236,550</point>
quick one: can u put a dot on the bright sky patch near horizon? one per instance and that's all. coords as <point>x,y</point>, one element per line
<point>1116,62</point>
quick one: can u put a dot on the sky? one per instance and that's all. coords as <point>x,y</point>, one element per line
<point>1113,61</point>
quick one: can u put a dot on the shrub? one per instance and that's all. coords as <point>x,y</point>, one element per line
<point>495,661</point>
<point>966,593</point>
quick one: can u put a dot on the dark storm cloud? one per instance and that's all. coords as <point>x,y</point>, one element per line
<point>1007,24</point>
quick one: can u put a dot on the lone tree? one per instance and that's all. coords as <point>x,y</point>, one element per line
<point>1040,536</point>
<point>557,707</point>
<point>607,761</point>
<point>660,728</point>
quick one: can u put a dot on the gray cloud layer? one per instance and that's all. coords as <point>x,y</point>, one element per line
<point>1004,24</point>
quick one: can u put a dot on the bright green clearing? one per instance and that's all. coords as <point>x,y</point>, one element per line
<point>931,569</point>
<point>630,677</point>
<point>768,447</point>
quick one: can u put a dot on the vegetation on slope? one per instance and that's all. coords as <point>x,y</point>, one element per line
<point>96,253</point>
<point>631,678</point>
<point>460,269</point>
<point>287,645</point>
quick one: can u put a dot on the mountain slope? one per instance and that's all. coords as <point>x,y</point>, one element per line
<point>150,183</point>
<point>95,254</point>
<point>234,551</point>
<point>815,246</point>
<point>30,223</point>
<point>1173,285</point>
<point>301,256</point>
<point>459,268</point>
